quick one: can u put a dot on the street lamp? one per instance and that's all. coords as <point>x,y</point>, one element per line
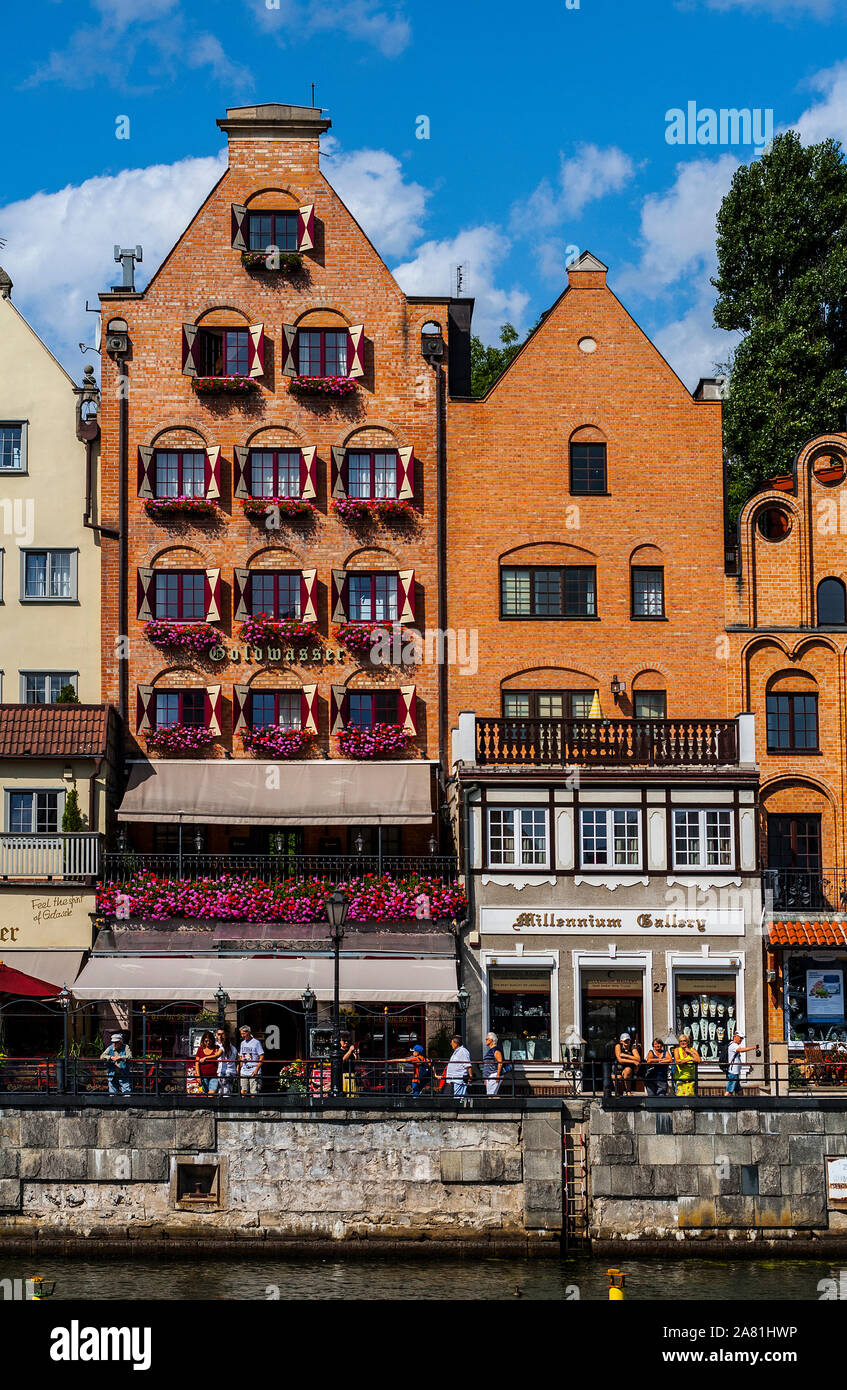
<point>463,1000</point>
<point>310,1003</point>
<point>359,843</point>
<point>221,999</point>
<point>336,912</point>
<point>573,1053</point>
<point>433,843</point>
<point>65,1001</point>
<point>198,841</point>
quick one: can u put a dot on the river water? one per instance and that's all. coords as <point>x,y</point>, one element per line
<point>264,1278</point>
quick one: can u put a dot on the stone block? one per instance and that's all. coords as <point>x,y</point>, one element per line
<point>77,1131</point>
<point>715,1122</point>
<point>733,1148</point>
<point>543,1130</point>
<point>696,1212</point>
<point>194,1132</point>
<point>699,1148</point>
<point>10,1194</point>
<point>835,1145</point>
<point>543,1163</point>
<point>109,1165</point>
<point>150,1165</point>
<point>812,1179</point>
<point>770,1180</point>
<point>679,1181</point>
<point>791,1180</point>
<point>735,1213</point>
<point>805,1148</point>
<point>683,1121</point>
<point>647,1121</point>
<point>600,1121</point>
<point>64,1165</point>
<point>834,1121</point>
<point>10,1163</point>
<point>622,1181</point>
<point>29,1163</point>
<point>799,1212</point>
<point>792,1122</point>
<point>715,1182</point>
<point>769,1148</point>
<point>542,1195</point>
<point>615,1148</point>
<point>114,1130</point>
<point>749,1121</point>
<point>157,1132</point>
<point>10,1130</point>
<point>659,1149</point>
<point>39,1131</point>
<point>601,1181</point>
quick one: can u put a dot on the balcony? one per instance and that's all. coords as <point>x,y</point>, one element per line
<point>121,865</point>
<point>607,742</point>
<point>41,858</point>
<point>805,890</point>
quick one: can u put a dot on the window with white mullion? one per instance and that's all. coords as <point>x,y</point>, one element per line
<point>275,472</point>
<point>610,837</point>
<point>703,839</point>
<point>276,707</point>
<point>517,836</point>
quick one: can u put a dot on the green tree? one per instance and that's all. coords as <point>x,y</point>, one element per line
<point>72,816</point>
<point>488,362</point>
<point>67,696</point>
<point>782,282</point>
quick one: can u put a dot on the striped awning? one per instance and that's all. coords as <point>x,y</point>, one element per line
<point>820,933</point>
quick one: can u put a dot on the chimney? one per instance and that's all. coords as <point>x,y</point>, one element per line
<point>587,273</point>
<point>290,133</point>
<point>5,285</point>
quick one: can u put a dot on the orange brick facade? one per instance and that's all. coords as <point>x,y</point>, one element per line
<point>509,504</point>
<point>343,283</point>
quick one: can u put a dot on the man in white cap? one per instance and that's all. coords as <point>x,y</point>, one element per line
<point>628,1059</point>
<point>117,1058</point>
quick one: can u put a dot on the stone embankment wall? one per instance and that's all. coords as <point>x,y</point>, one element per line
<point>491,1181</point>
<point>732,1174</point>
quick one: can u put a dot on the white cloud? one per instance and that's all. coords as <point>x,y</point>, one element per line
<point>371,183</point>
<point>479,250</point>
<point>692,345</point>
<point>60,245</point>
<point>590,173</point>
<point>827,117</point>
<point>677,235</point>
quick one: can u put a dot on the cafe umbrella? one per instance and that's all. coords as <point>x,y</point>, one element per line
<point>25,986</point>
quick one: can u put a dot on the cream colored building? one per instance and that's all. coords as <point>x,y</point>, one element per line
<point>49,556</point>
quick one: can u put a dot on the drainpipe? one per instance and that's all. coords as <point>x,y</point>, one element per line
<point>123,557</point>
<point>466,854</point>
<point>441,542</point>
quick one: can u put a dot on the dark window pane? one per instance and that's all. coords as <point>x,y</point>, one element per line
<point>831,603</point>
<point>516,592</point>
<point>237,344</point>
<point>588,468</point>
<point>360,709</point>
<point>648,593</point>
<point>580,598</point>
<point>385,703</point>
<point>547,591</point>
<point>263,709</point>
<point>650,704</point>
<point>194,707</point>
<point>309,353</point>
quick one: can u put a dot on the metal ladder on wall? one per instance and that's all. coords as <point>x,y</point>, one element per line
<point>575,1158</point>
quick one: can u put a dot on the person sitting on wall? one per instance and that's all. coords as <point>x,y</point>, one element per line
<point>685,1059</point>
<point>658,1062</point>
<point>628,1060</point>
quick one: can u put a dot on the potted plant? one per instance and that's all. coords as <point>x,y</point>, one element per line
<point>179,738</point>
<point>230,385</point>
<point>359,637</point>
<point>163,507</point>
<point>276,742</point>
<point>372,743</point>
<point>332,386</point>
<point>292,1078</point>
<point>290,507</point>
<point>288,262</point>
<point>262,630</point>
<point>370,510</point>
<point>192,637</point>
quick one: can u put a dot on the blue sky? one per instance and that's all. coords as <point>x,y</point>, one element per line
<point>547,131</point>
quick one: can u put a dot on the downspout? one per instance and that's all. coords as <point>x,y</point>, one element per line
<point>441,543</point>
<point>123,557</point>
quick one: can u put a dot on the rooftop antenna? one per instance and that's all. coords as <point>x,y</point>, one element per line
<point>313,93</point>
<point>459,281</point>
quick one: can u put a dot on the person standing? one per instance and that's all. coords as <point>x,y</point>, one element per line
<point>492,1065</point>
<point>657,1063</point>
<point>251,1055</point>
<point>686,1059</point>
<point>733,1070</point>
<point>458,1070</point>
<point>227,1062</point>
<point>206,1065</point>
<point>117,1058</point>
<point>421,1069</point>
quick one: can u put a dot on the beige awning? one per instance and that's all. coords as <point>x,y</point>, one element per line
<point>388,980</point>
<point>54,967</point>
<point>329,792</point>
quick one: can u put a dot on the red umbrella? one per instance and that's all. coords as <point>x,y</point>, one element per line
<point>16,982</point>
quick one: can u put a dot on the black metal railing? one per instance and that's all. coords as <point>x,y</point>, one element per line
<point>805,890</point>
<point>121,865</point>
<point>607,742</point>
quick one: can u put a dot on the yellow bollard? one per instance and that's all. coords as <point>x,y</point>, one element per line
<point>617,1280</point>
<point>37,1283</point>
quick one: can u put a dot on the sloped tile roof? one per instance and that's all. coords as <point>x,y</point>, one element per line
<point>807,934</point>
<point>53,731</point>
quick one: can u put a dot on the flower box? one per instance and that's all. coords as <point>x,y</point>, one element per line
<point>233,898</point>
<point>359,637</point>
<point>192,637</point>
<point>275,742</point>
<point>260,507</point>
<point>179,738</point>
<point>373,509</point>
<point>262,630</point>
<point>223,385</point>
<point>372,743</point>
<point>180,506</point>
<point>334,386</point>
<point>287,262</point>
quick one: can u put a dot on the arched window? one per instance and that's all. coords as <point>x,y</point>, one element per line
<point>832,603</point>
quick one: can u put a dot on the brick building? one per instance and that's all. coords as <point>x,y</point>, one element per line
<point>787,635</point>
<point>272,421</point>
<point>604,792</point>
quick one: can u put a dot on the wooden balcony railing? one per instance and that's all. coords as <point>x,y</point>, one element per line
<point>41,857</point>
<point>607,742</point>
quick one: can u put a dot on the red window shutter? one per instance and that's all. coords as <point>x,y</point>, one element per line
<point>145,594</point>
<point>214,708</point>
<point>405,473</point>
<point>240,592</point>
<point>240,703</point>
<point>238,227</point>
<point>306,228</point>
<point>309,596</point>
<point>355,348</point>
<point>143,703</point>
<point>308,472</point>
<point>338,713</point>
<point>406,596</point>
<point>213,596</point>
<point>241,471</point>
<point>146,458</point>
<point>408,709</point>
<point>309,708</point>
<point>339,596</point>
<point>339,471</point>
<point>257,349</point>
<point>212,475</point>
<point>289,353</point>
<point>189,349</point>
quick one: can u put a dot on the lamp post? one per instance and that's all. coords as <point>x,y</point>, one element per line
<point>309,1002</point>
<point>65,1001</point>
<point>573,1053</point>
<point>336,912</point>
<point>221,999</point>
<point>463,1000</point>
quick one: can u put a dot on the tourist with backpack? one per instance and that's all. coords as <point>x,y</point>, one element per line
<point>421,1069</point>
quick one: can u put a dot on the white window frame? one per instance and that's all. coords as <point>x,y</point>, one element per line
<point>23,426</point>
<point>8,792</point>
<point>519,862</point>
<point>701,865</point>
<point>691,963</point>
<point>610,862</point>
<point>518,961</point>
<point>74,681</point>
<point>50,550</point>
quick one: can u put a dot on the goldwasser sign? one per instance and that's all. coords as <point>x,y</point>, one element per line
<point>585,921</point>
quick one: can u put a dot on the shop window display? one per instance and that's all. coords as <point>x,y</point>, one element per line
<point>814,998</point>
<point>519,1013</point>
<point>705,1009</point>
